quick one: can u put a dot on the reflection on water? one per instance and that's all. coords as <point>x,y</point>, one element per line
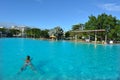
<point>60,60</point>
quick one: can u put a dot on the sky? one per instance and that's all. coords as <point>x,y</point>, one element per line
<point>47,14</point>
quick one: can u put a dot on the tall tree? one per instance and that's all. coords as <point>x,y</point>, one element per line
<point>67,34</point>
<point>78,27</point>
<point>91,24</point>
<point>103,21</point>
<point>44,33</point>
<point>57,31</point>
<point>117,30</point>
<point>14,32</point>
<point>34,32</point>
<point>3,30</point>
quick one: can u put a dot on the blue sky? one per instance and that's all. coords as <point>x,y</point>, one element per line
<point>47,14</point>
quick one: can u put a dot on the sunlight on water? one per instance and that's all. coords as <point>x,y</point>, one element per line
<point>58,60</point>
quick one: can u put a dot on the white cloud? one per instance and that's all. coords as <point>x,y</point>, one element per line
<point>110,7</point>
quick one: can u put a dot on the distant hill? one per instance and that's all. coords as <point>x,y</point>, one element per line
<point>7,24</point>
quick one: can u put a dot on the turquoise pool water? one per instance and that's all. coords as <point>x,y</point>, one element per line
<point>58,60</point>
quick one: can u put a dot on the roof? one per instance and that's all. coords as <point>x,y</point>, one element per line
<point>99,30</point>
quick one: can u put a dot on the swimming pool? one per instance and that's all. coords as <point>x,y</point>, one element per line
<point>58,60</point>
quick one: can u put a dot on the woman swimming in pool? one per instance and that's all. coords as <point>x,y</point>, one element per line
<point>27,63</point>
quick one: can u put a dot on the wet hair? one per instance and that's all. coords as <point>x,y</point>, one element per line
<point>28,57</point>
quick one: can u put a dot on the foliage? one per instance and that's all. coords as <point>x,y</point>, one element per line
<point>13,32</point>
<point>3,30</point>
<point>28,33</point>
<point>104,21</point>
<point>34,32</point>
<point>57,31</point>
<point>77,27</point>
<point>37,33</point>
<point>44,33</point>
<point>67,34</point>
<point>117,32</point>
<point>91,24</point>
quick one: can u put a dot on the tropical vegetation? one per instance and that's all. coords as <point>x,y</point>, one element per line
<point>109,23</point>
